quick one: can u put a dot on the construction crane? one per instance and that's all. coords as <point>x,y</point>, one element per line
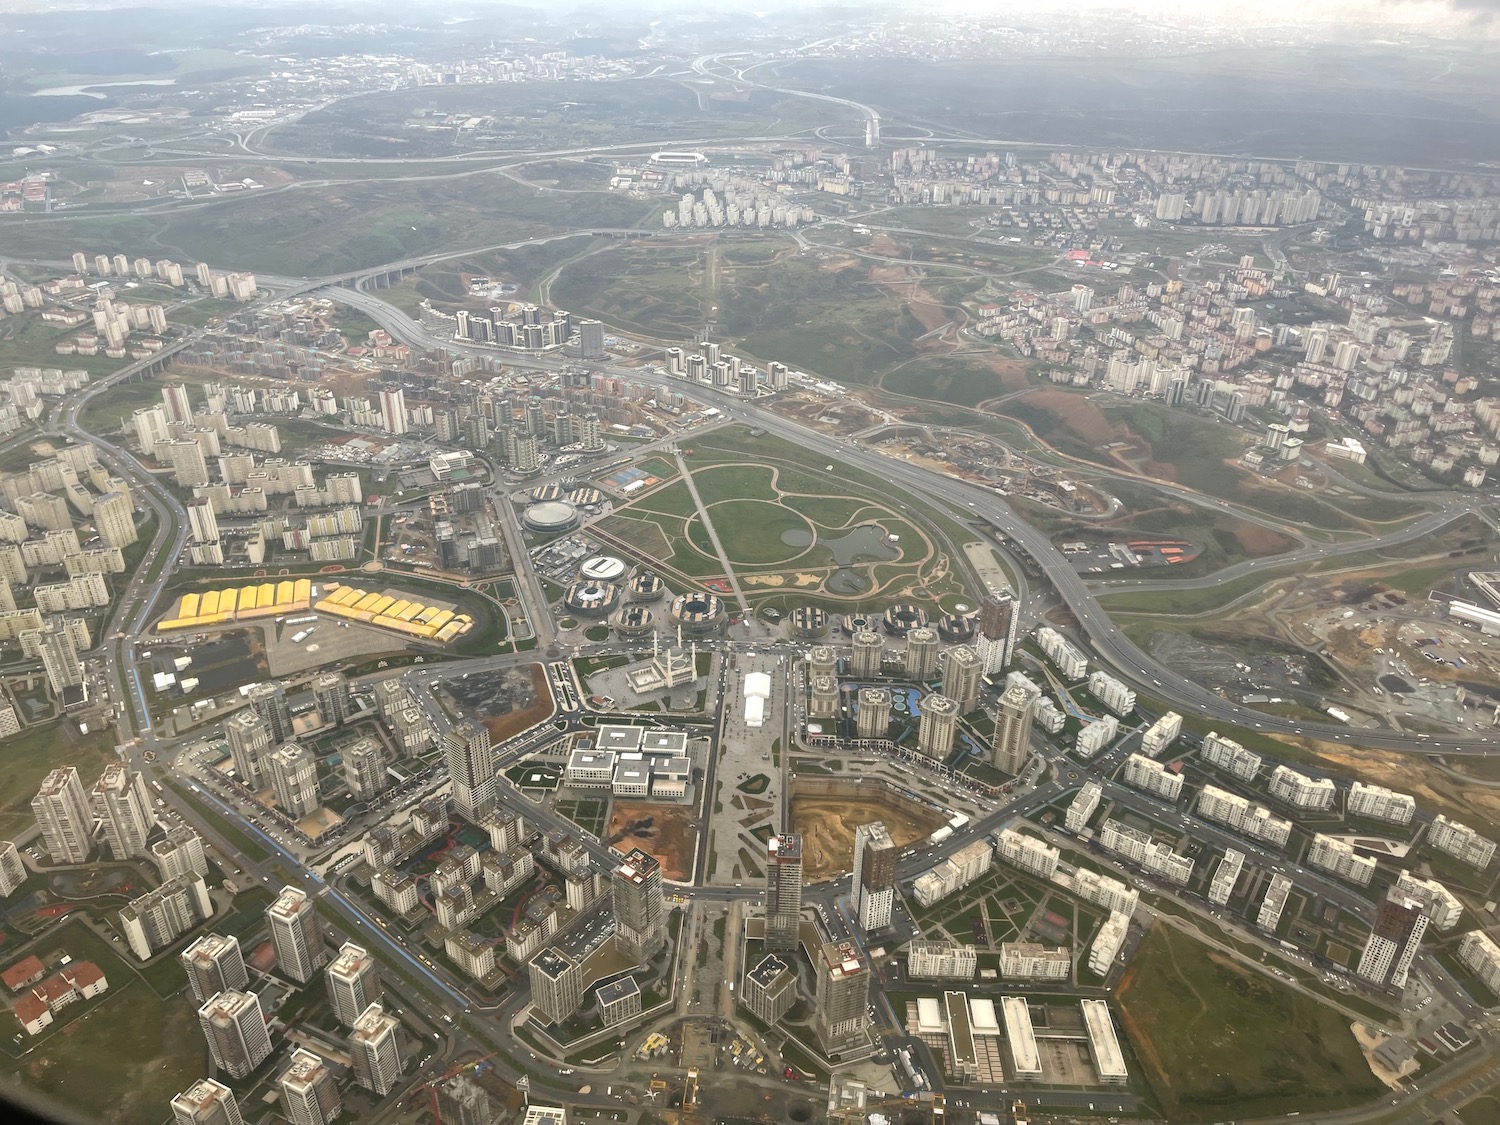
<point>431,1087</point>
<point>679,1106</point>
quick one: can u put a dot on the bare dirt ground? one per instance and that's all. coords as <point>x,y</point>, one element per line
<point>512,724</point>
<point>1257,541</point>
<point>671,838</point>
<point>827,825</point>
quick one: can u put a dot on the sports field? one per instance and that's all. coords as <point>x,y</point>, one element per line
<point>1220,1041</point>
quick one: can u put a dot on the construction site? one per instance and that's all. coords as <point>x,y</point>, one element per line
<point>827,811</point>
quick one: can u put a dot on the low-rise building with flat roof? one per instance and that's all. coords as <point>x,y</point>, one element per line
<point>1104,1044</point>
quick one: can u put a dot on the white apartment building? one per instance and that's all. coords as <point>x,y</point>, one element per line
<point>1225,877</point>
<point>1439,903</point>
<point>1379,803</point>
<point>1095,736</point>
<point>1274,903</point>
<point>1394,941</point>
<point>1027,852</point>
<point>1301,791</point>
<point>1228,755</point>
<point>1152,777</point>
<point>1071,662</point>
<point>1112,693</point>
<point>1461,842</point>
<point>1478,953</point>
<point>1025,960</point>
<point>1341,860</point>
<point>1105,891</point>
<point>941,960</point>
<point>1155,857</point>
<point>1239,815</point>
<point>958,870</point>
<point>1161,734</point>
<point>1108,942</point>
<point>1082,807</point>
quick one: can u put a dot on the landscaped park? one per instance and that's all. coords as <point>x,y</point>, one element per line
<point>793,531</point>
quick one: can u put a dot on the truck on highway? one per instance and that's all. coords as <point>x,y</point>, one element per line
<point>940,835</point>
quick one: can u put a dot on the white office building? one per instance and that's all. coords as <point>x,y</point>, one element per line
<point>1025,1059</point>
<point>1104,1043</point>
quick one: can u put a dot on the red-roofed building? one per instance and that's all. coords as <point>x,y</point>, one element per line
<point>263,960</point>
<point>33,1014</point>
<point>88,978</point>
<point>23,973</point>
<point>56,992</point>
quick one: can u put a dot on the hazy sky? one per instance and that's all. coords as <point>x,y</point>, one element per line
<point>1438,15</point>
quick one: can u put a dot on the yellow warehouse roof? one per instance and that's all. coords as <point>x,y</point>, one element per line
<point>189,607</point>
<point>209,604</point>
<point>285,592</point>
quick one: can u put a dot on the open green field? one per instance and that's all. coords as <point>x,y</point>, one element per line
<point>328,229</point>
<point>568,175</point>
<point>28,757</point>
<point>1483,1110</point>
<point>547,116</point>
<point>124,1059</point>
<point>1220,1041</point>
<point>107,412</point>
<point>841,318</point>
<point>29,341</point>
